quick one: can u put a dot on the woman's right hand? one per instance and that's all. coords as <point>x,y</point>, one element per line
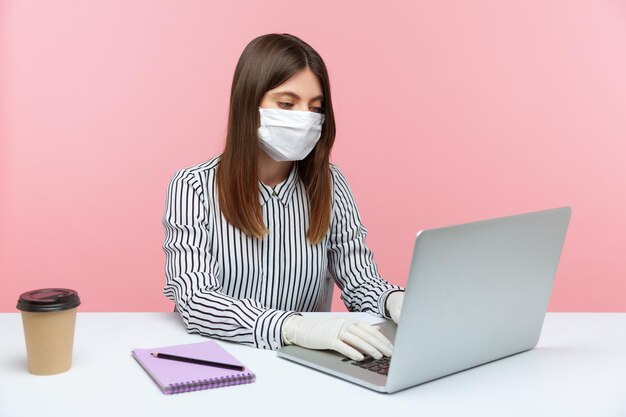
<point>348,336</point>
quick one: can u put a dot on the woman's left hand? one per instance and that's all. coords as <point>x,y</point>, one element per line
<point>394,305</point>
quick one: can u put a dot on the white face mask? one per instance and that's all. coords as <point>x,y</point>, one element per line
<point>289,135</point>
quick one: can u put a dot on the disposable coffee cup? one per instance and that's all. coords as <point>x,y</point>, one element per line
<point>49,319</point>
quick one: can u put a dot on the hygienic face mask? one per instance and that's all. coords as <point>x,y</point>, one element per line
<point>289,135</point>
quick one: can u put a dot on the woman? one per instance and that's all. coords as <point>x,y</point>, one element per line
<point>250,234</point>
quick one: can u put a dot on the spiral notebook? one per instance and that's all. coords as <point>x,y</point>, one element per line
<point>174,377</point>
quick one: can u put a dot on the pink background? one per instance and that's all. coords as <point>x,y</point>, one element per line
<point>447,112</point>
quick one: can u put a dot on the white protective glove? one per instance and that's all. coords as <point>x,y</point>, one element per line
<point>347,336</point>
<point>394,305</point>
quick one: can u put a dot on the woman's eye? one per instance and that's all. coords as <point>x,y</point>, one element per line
<point>290,105</point>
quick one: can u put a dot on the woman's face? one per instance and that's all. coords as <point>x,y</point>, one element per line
<point>302,91</point>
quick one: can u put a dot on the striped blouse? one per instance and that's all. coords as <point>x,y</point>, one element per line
<point>231,286</point>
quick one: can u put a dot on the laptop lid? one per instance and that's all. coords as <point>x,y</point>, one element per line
<point>476,292</point>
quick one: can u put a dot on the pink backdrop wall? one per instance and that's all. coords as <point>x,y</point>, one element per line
<point>447,111</point>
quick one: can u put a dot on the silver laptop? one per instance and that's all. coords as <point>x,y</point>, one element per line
<point>476,292</point>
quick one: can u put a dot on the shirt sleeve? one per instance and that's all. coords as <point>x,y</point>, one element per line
<point>350,261</point>
<point>193,274</point>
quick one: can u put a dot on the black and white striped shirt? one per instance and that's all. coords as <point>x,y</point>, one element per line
<point>231,286</point>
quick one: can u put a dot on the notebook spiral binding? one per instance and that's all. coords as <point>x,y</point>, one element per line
<point>223,381</point>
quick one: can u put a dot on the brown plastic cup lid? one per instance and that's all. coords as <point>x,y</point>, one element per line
<point>48,299</point>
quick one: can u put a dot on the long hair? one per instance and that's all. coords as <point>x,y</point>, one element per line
<point>266,62</point>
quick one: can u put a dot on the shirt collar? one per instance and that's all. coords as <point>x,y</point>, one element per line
<point>283,190</point>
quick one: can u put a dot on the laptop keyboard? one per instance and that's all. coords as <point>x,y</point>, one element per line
<point>380,366</point>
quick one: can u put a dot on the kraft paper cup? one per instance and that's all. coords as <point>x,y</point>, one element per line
<point>49,320</point>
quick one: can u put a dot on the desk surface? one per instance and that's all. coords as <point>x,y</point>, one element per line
<point>577,369</point>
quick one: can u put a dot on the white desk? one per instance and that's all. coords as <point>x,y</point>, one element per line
<point>577,369</point>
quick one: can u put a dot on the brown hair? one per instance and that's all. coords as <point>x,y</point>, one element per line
<point>266,62</point>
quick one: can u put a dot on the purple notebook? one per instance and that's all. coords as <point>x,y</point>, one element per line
<point>174,377</point>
